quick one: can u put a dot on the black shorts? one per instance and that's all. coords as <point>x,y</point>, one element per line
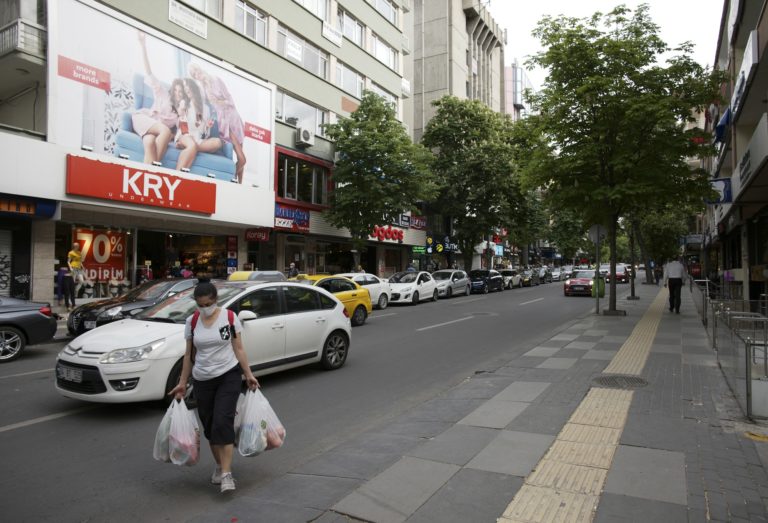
<point>216,405</point>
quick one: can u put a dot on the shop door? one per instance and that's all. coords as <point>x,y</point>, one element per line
<point>263,336</point>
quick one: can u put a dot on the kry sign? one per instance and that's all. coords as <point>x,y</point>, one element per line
<point>109,181</point>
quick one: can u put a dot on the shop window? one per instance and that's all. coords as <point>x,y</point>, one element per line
<point>300,299</point>
<point>263,302</point>
<point>250,22</point>
<point>295,48</point>
<point>302,181</point>
<point>305,182</point>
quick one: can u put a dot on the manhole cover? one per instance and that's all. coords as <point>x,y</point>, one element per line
<point>619,381</point>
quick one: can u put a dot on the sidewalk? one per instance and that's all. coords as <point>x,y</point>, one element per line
<point>539,439</point>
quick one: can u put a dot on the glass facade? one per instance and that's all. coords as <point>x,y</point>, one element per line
<point>301,180</point>
<point>303,53</point>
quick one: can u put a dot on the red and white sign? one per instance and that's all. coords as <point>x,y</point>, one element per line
<point>103,253</point>
<point>84,73</point>
<point>418,222</point>
<point>388,233</point>
<point>257,235</point>
<point>110,181</point>
<point>258,133</point>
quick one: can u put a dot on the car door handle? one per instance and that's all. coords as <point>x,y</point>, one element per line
<point>320,320</point>
<point>278,326</point>
<point>354,294</point>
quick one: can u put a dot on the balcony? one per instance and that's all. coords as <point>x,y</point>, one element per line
<point>24,37</point>
<point>22,56</point>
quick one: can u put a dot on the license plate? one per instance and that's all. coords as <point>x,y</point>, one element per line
<point>90,324</point>
<point>68,374</point>
<point>577,288</point>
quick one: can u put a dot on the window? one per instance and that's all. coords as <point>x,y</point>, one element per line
<point>326,302</point>
<point>263,302</point>
<point>349,80</point>
<point>384,53</point>
<point>300,299</point>
<point>351,28</point>
<point>387,9</point>
<point>300,114</point>
<point>317,7</point>
<point>390,98</point>
<point>250,22</point>
<point>210,7</point>
<point>306,55</point>
<point>301,181</point>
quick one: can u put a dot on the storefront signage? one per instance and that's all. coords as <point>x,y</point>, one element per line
<point>109,181</point>
<point>418,222</point>
<point>419,249</point>
<point>257,235</point>
<point>746,73</point>
<point>405,221</point>
<point>388,233</point>
<point>291,218</point>
<point>756,152</point>
<point>446,244</point>
<point>231,254</point>
<point>187,18</point>
<point>103,253</point>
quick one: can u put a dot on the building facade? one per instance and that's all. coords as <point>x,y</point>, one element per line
<point>516,82</point>
<point>186,134</point>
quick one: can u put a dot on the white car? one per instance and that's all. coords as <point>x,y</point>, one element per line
<point>556,274</point>
<point>512,278</point>
<point>412,287</point>
<point>285,325</point>
<point>451,282</point>
<point>378,288</point>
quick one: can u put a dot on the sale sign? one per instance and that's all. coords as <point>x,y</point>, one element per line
<point>103,253</point>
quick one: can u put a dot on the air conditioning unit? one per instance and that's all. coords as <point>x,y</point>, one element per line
<point>305,137</point>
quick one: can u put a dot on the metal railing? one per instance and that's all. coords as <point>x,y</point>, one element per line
<point>23,35</point>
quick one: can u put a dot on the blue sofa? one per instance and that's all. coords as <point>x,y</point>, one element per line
<point>128,143</point>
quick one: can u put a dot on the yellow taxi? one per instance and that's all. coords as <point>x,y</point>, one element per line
<point>356,299</point>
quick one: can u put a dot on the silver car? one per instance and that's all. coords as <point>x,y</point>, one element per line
<point>451,282</point>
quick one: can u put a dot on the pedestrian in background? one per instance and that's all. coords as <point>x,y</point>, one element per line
<point>76,267</point>
<point>674,272</point>
<point>292,270</point>
<point>68,288</point>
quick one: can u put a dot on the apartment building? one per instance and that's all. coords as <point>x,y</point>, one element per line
<point>167,134</point>
<point>516,82</point>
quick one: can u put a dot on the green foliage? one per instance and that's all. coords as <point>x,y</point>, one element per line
<point>380,172</point>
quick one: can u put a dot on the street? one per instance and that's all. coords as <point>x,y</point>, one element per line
<point>71,461</point>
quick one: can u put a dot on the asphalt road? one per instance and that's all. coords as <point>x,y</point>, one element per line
<point>64,460</point>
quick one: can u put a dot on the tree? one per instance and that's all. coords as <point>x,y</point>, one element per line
<point>568,232</point>
<point>380,172</point>
<point>613,119</point>
<point>474,165</point>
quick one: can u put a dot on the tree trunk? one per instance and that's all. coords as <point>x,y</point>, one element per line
<point>649,279</point>
<point>612,230</point>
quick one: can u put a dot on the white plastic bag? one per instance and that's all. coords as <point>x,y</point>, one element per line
<point>184,436</point>
<point>160,451</point>
<point>239,416</point>
<point>261,429</point>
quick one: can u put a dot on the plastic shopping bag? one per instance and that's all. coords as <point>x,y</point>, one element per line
<point>184,436</point>
<point>160,451</point>
<point>239,416</point>
<point>261,429</point>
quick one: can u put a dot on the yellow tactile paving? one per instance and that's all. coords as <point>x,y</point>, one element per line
<point>566,484</point>
<point>568,477</point>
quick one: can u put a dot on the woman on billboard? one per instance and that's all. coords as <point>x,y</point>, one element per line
<point>195,123</point>
<point>230,124</point>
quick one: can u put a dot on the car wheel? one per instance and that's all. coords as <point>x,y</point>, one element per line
<point>358,317</point>
<point>449,292</point>
<point>335,351</point>
<point>485,289</point>
<point>173,380</point>
<point>435,295</point>
<point>12,342</point>
<point>383,301</point>
<point>415,298</point>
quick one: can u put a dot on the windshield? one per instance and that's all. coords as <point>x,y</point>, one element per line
<point>583,274</point>
<point>527,272</point>
<point>150,290</point>
<point>442,275</point>
<point>178,307</point>
<point>403,277</point>
<point>478,274</point>
<point>508,272</point>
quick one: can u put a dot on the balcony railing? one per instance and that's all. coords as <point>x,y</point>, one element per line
<point>25,36</point>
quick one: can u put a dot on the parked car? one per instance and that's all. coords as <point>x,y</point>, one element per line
<point>256,275</point>
<point>91,315</point>
<point>622,274</point>
<point>512,278</point>
<point>285,325</point>
<point>378,288</point>
<point>450,282</point>
<point>356,299</point>
<point>566,272</point>
<point>545,275</point>
<point>413,287</point>
<point>530,277</point>
<point>485,281</point>
<point>556,274</point>
<point>23,323</point>
<point>580,283</point>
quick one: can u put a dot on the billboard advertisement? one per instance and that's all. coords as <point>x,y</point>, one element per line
<point>122,90</point>
<point>103,253</point>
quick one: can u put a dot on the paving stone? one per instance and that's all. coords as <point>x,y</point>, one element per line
<point>526,391</point>
<point>621,508</point>
<point>564,337</point>
<point>380,443</point>
<point>342,463</point>
<point>583,345</point>
<point>557,363</point>
<point>514,453</point>
<point>415,428</point>
<point>494,413</point>
<point>448,410</point>
<point>656,432</point>
<point>299,490</point>
<point>599,355</point>
<point>542,352</point>
<point>657,475</point>
<point>478,388</point>
<point>457,445</point>
<point>596,332</point>
<point>247,510</point>
<point>542,419</point>
<point>529,361</point>
<point>666,348</point>
<point>614,339</point>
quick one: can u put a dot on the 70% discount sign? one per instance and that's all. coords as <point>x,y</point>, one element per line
<point>103,253</point>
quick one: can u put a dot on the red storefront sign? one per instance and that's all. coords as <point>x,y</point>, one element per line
<point>388,233</point>
<point>103,253</point>
<point>84,73</point>
<point>418,222</point>
<point>111,181</point>
<point>257,235</point>
<point>257,133</point>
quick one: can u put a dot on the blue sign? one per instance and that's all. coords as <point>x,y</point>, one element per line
<point>723,188</point>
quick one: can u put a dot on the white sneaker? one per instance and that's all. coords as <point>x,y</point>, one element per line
<point>227,482</point>
<point>216,476</point>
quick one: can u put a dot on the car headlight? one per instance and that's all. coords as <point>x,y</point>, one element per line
<point>68,350</point>
<point>131,354</point>
<point>406,290</point>
<point>115,313</point>
<point>567,282</point>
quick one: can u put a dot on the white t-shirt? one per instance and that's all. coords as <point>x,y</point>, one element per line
<point>214,353</point>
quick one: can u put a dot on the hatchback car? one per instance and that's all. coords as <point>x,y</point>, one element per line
<point>356,299</point>
<point>91,315</point>
<point>413,287</point>
<point>377,287</point>
<point>285,325</point>
<point>486,281</point>
<point>580,283</point>
<point>622,274</point>
<point>530,277</point>
<point>545,275</point>
<point>451,282</point>
<point>23,323</point>
<point>512,278</point>
<point>556,274</point>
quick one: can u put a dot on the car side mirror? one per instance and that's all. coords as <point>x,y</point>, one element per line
<point>247,315</point>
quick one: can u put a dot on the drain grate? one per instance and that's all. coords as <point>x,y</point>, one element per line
<point>620,381</point>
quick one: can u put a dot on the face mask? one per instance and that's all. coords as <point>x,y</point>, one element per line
<point>207,311</point>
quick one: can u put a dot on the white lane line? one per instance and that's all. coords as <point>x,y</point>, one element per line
<point>382,315</point>
<point>445,323</point>
<point>461,302</point>
<point>42,419</point>
<point>532,301</point>
<point>26,373</point>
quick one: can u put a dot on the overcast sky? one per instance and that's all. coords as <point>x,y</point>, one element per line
<point>697,21</point>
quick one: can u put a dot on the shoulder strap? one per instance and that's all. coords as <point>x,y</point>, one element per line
<point>231,317</point>
<point>193,323</point>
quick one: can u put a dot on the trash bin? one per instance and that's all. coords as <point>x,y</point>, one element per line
<point>599,287</point>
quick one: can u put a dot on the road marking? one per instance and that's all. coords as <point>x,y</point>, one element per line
<point>382,315</point>
<point>446,323</point>
<point>532,301</point>
<point>26,373</point>
<point>43,419</point>
<point>461,302</point>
